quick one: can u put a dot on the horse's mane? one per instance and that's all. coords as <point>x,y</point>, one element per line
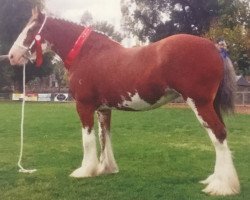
<point>79,25</point>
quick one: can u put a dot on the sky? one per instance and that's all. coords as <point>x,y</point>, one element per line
<point>108,10</point>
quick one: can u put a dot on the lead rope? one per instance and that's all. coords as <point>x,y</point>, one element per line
<point>21,169</point>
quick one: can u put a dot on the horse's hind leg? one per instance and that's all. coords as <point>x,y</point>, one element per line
<point>90,160</point>
<point>107,163</point>
<point>224,180</point>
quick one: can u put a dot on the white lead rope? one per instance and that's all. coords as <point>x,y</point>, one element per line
<point>21,169</point>
<point>3,57</point>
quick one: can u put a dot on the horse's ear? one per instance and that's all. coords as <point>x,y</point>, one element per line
<point>36,13</point>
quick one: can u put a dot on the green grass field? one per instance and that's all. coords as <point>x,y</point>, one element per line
<point>162,154</point>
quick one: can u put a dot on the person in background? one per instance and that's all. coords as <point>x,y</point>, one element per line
<point>222,46</point>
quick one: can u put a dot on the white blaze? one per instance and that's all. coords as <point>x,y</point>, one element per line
<point>18,50</point>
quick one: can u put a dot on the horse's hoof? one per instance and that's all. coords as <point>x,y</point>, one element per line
<point>221,187</point>
<point>83,172</point>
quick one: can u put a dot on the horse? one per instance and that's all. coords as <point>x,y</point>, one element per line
<point>104,75</point>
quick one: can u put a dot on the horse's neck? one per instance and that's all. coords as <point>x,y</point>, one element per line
<point>63,35</point>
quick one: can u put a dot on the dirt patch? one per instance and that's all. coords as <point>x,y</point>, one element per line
<point>238,109</point>
<point>243,109</point>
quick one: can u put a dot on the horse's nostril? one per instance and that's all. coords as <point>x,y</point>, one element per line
<point>11,56</point>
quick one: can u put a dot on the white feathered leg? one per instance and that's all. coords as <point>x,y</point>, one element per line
<point>224,180</point>
<point>90,160</point>
<point>107,163</point>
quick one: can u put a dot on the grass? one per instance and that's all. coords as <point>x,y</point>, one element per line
<point>162,154</point>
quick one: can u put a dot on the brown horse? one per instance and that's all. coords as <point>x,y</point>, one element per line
<point>103,75</point>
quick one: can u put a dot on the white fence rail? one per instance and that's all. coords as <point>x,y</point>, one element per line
<point>243,98</point>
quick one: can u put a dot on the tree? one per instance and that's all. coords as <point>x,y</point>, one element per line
<point>87,18</point>
<point>233,25</point>
<point>150,20</point>
<point>233,13</point>
<point>154,20</point>
<point>32,71</point>
<point>236,43</point>
<point>108,29</point>
<point>102,26</point>
<point>59,72</point>
<point>6,74</point>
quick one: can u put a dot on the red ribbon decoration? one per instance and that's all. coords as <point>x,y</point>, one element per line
<point>39,52</point>
<point>77,47</point>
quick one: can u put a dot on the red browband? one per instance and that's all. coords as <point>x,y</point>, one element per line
<point>77,47</point>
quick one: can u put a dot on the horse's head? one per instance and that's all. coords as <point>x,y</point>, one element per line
<point>24,48</point>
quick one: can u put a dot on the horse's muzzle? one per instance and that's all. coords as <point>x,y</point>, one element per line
<point>18,59</point>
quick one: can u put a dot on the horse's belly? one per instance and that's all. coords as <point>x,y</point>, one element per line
<point>136,103</point>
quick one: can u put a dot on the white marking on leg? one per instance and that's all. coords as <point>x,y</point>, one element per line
<point>90,161</point>
<point>107,163</point>
<point>191,103</point>
<point>224,180</point>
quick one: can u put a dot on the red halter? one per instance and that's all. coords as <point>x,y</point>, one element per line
<point>39,52</point>
<point>38,46</point>
<point>74,52</point>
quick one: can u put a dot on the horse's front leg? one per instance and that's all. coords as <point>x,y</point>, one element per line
<point>90,161</point>
<point>107,163</point>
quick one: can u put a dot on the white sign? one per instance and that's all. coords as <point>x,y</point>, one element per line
<point>17,96</point>
<point>44,97</point>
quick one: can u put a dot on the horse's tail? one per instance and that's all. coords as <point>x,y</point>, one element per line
<point>224,101</point>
